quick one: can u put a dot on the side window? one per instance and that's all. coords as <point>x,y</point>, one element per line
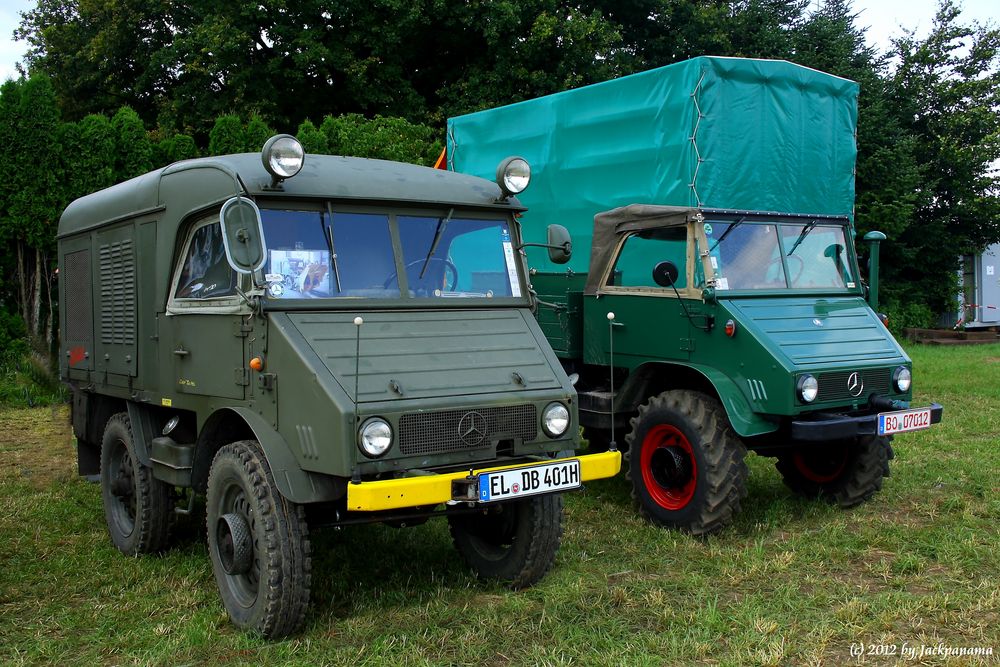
<point>205,273</point>
<point>643,251</point>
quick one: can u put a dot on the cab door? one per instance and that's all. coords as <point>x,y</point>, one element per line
<point>203,322</point>
<point>651,322</point>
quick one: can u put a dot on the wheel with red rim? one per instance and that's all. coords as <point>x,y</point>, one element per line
<point>686,463</point>
<point>847,472</point>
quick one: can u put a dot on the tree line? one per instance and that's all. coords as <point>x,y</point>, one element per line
<point>113,88</point>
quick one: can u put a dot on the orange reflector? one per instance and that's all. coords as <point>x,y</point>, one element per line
<point>730,328</point>
<point>257,364</point>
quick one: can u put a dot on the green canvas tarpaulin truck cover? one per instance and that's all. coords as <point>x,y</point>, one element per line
<point>714,132</point>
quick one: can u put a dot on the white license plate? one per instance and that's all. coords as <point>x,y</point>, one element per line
<point>520,482</point>
<point>904,420</point>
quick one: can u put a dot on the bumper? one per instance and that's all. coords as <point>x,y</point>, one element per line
<point>839,427</point>
<point>430,490</point>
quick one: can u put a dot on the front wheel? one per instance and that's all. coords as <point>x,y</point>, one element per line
<point>686,463</point>
<point>515,542</point>
<point>847,472</point>
<point>258,542</point>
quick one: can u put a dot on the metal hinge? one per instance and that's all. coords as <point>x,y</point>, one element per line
<point>242,377</point>
<point>687,344</point>
<point>241,329</point>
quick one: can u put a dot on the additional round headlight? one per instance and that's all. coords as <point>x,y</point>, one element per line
<point>808,387</point>
<point>513,175</point>
<point>901,379</point>
<point>283,156</point>
<point>375,437</point>
<point>555,419</point>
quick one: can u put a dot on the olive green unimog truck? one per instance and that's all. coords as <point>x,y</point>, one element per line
<point>704,324</point>
<point>316,341</point>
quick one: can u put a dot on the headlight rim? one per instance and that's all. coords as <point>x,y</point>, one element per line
<point>266,155</point>
<point>800,387</point>
<point>554,405</point>
<point>372,421</point>
<point>896,379</point>
<point>502,177</point>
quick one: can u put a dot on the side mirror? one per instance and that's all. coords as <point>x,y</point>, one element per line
<point>665,273</point>
<point>243,235</point>
<point>560,244</point>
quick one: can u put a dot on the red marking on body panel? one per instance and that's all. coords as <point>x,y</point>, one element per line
<point>76,355</point>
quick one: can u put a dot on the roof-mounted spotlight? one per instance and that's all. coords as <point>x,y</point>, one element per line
<point>283,157</point>
<point>513,175</point>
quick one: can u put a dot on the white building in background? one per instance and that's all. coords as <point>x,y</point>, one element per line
<point>979,295</point>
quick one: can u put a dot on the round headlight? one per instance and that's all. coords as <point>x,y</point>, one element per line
<point>555,419</point>
<point>513,175</point>
<point>283,156</point>
<point>901,379</point>
<point>375,437</point>
<point>808,387</point>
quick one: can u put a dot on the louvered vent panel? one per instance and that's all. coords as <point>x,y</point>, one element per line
<point>117,262</point>
<point>78,311</point>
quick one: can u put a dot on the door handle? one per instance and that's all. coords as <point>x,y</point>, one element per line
<point>181,352</point>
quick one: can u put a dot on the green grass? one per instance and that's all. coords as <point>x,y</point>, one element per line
<point>791,582</point>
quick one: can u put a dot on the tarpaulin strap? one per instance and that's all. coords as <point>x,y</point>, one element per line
<point>694,141</point>
<point>454,147</point>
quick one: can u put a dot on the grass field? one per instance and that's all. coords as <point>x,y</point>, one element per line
<point>792,582</point>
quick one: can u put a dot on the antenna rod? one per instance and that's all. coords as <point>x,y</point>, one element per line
<point>357,364</point>
<point>612,446</point>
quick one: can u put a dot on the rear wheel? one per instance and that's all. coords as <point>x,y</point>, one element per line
<point>515,542</point>
<point>138,508</point>
<point>258,542</point>
<point>847,472</point>
<point>685,463</point>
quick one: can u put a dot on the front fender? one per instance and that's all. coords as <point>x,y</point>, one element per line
<point>651,378</point>
<point>294,483</point>
<point>744,420</point>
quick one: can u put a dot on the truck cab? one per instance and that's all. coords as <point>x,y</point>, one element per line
<point>315,342</point>
<point>702,333</point>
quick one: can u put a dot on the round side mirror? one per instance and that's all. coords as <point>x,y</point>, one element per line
<point>665,273</point>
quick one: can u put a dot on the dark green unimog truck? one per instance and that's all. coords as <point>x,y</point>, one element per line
<point>732,327</point>
<point>310,342</point>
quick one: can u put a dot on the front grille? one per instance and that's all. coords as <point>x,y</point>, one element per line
<point>436,432</point>
<point>833,386</point>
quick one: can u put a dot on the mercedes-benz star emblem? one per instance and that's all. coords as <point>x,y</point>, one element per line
<point>855,385</point>
<point>472,428</point>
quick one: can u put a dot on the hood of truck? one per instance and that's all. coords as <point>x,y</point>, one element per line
<point>817,333</point>
<point>425,354</point>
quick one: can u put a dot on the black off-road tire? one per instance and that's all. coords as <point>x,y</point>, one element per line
<point>686,463</point>
<point>138,508</point>
<point>515,543</point>
<point>846,472</point>
<point>272,596</point>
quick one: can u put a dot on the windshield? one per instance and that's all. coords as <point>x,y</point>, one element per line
<point>332,254</point>
<point>752,256</point>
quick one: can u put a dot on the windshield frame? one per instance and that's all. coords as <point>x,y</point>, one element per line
<point>778,221</point>
<point>393,213</point>
<point>698,258</point>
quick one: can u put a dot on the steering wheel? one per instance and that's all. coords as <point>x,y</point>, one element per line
<point>449,286</point>
<point>800,267</point>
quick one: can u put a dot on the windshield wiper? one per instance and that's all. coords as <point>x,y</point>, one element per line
<point>333,251</point>
<point>805,231</point>
<point>739,221</point>
<point>441,226</point>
